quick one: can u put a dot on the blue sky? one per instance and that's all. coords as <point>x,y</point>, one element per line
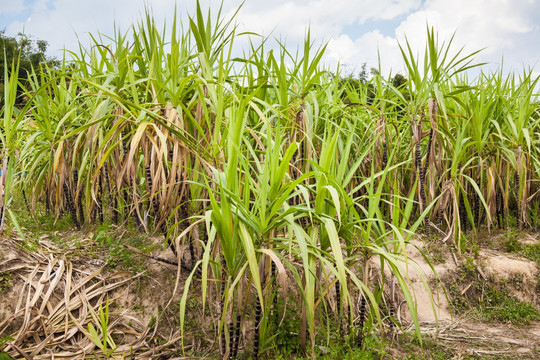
<point>356,31</point>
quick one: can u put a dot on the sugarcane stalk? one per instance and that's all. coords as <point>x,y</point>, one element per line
<point>475,209</point>
<point>518,187</point>
<point>124,143</point>
<point>107,180</point>
<point>124,191</point>
<point>3,194</point>
<point>153,203</point>
<point>94,214</point>
<point>518,200</point>
<point>170,158</point>
<point>126,207</point>
<point>274,300</point>
<point>258,311</point>
<point>423,179</point>
<point>385,155</point>
<point>499,207</point>
<point>222,306</point>
<point>25,200</point>
<point>116,212</point>
<point>392,301</point>
<point>148,176</point>
<point>363,305</point>
<point>78,198</point>
<point>337,286</point>
<point>440,214</point>
<point>462,212</point>
<point>70,206</point>
<point>231,338</point>
<point>136,210</point>
<point>47,203</point>
<point>236,339</point>
<point>361,319</point>
<point>100,199</point>
<point>137,219</point>
<point>112,198</point>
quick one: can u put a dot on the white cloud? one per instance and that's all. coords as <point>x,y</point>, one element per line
<point>326,17</point>
<point>493,25</point>
<point>11,7</point>
<point>351,54</point>
<point>67,20</point>
<point>505,27</point>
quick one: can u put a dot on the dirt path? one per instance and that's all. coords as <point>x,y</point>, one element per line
<point>465,339</point>
<point>500,341</point>
<point>462,336</point>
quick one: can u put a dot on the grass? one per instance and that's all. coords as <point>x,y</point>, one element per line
<point>112,242</point>
<point>409,348</point>
<point>5,280</point>
<point>499,305</point>
<point>488,300</point>
<point>437,254</point>
<point>529,251</point>
<point>105,241</point>
<point>374,348</point>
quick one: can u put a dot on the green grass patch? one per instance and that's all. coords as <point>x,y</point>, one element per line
<point>5,280</point>
<point>487,300</point>
<point>530,251</point>
<point>498,305</point>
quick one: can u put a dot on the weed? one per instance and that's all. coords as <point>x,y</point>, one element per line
<point>487,300</point>
<point>512,244</point>
<point>285,341</point>
<point>470,245</point>
<point>532,252</point>
<point>103,341</point>
<point>5,356</point>
<point>498,305</point>
<point>152,322</point>
<point>5,280</point>
<point>112,244</point>
<point>430,349</point>
<point>437,253</point>
<point>374,349</point>
<point>3,340</point>
<point>468,269</point>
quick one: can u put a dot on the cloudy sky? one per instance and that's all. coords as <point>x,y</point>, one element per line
<point>357,31</point>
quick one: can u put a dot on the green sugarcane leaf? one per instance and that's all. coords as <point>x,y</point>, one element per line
<point>16,224</point>
<point>249,249</point>
<point>5,356</point>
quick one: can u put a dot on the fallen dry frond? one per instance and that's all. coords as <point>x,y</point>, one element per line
<point>57,302</point>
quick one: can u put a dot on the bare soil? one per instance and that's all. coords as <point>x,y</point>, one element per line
<point>144,316</point>
<point>460,334</point>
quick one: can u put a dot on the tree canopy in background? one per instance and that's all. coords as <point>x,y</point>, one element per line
<point>32,54</point>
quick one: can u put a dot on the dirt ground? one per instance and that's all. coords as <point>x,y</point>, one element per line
<point>36,312</point>
<point>49,299</point>
<point>462,335</point>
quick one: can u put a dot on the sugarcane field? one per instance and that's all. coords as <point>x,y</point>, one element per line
<point>190,189</point>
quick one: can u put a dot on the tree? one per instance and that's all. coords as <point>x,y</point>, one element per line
<point>32,55</point>
<point>357,85</point>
